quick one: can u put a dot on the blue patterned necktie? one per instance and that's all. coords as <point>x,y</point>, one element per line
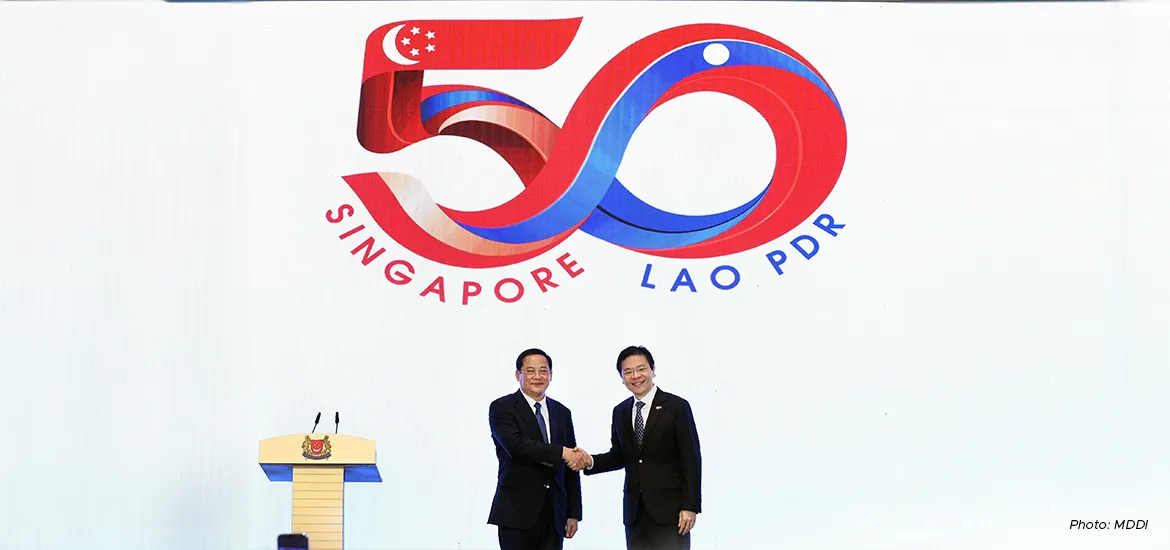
<point>543,426</point>
<point>639,425</point>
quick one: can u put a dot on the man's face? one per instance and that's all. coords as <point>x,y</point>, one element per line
<point>637,375</point>
<point>534,376</point>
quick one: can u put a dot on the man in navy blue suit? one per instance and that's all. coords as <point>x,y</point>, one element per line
<point>538,487</point>
<point>655,441</point>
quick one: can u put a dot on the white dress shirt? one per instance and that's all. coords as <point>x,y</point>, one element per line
<point>648,400</point>
<point>543,412</point>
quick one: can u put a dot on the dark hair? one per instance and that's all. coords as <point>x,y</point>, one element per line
<point>533,351</point>
<point>630,352</point>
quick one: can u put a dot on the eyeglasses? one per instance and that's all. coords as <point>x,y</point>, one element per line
<point>534,372</point>
<point>640,370</point>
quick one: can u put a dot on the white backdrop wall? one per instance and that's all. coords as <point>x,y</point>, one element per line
<point>979,358</point>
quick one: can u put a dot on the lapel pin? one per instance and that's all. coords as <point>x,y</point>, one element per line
<point>658,407</point>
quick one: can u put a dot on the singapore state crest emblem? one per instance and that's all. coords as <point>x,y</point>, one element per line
<point>316,449</point>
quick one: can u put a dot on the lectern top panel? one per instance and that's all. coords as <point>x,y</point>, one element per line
<point>322,449</point>
<point>355,454</point>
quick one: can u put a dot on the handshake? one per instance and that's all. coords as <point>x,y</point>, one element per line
<point>576,458</point>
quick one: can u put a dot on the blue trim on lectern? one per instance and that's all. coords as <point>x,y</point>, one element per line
<point>278,472</point>
<point>358,473</point>
<point>363,473</point>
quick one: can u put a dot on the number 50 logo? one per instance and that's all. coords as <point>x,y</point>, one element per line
<point>569,171</point>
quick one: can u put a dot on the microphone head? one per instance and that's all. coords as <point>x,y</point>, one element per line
<point>318,418</point>
<point>337,417</point>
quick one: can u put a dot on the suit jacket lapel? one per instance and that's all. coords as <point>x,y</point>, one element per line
<point>655,411</point>
<point>552,422</point>
<point>528,416</point>
<point>627,425</point>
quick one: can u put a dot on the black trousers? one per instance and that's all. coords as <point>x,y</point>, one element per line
<point>646,534</point>
<point>542,536</point>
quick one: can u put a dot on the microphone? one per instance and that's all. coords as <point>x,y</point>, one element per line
<point>336,422</point>
<point>315,423</point>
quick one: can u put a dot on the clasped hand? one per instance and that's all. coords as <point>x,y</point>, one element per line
<point>576,458</point>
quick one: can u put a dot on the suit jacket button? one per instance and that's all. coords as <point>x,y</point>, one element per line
<point>546,486</point>
<point>639,461</point>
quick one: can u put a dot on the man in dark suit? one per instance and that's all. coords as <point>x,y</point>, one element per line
<point>538,486</point>
<point>655,440</point>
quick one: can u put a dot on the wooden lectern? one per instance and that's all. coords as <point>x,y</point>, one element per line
<point>319,466</point>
